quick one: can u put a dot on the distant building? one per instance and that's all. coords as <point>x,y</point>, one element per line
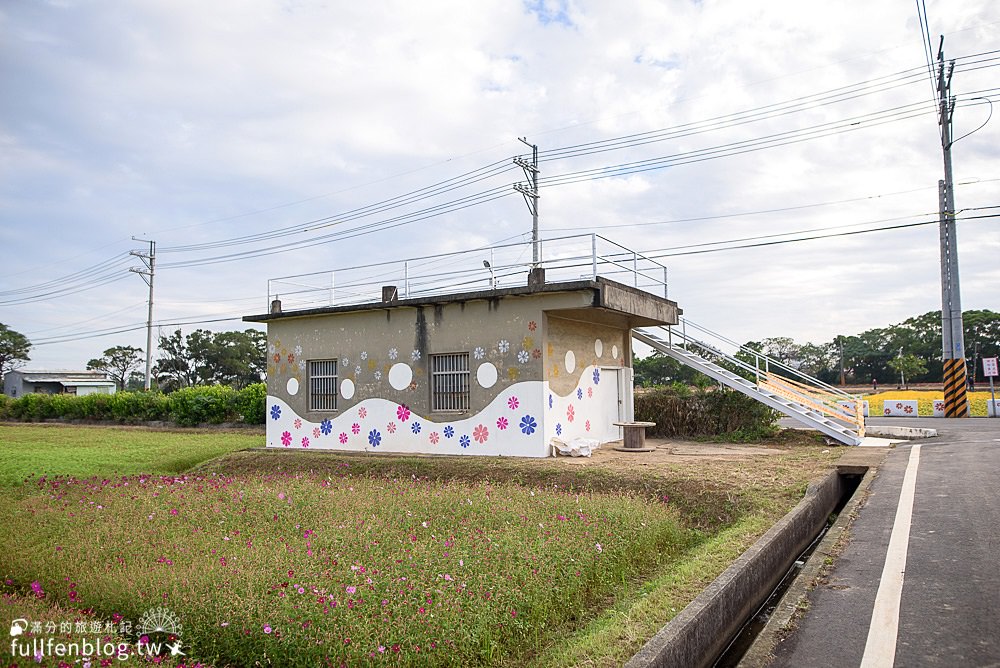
<point>492,372</point>
<point>27,381</point>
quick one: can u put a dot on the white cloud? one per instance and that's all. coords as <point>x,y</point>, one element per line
<point>190,122</point>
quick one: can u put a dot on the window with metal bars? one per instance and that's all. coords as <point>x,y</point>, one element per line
<point>450,382</point>
<point>323,385</point>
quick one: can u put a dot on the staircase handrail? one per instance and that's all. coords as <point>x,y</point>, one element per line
<point>769,360</point>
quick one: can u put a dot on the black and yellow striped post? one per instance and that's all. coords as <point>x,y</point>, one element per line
<point>956,398</point>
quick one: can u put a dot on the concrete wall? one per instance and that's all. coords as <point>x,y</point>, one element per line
<point>384,396</point>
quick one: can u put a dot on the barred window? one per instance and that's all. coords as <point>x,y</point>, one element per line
<point>450,382</point>
<point>323,385</point>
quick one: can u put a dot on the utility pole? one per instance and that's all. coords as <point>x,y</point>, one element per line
<point>530,192</point>
<point>956,398</point>
<point>149,260</point>
<point>843,380</point>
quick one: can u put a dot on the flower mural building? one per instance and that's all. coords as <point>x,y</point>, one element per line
<point>495,372</point>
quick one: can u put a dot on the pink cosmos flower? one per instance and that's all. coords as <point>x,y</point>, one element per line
<point>350,589</point>
<point>267,628</point>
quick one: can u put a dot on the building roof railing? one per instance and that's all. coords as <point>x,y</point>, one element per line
<point>564,258</point>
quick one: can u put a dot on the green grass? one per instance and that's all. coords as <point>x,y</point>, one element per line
<point>82,451</point>
<point>430,560</point>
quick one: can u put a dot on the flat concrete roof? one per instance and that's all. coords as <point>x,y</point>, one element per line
<point>641,308</point>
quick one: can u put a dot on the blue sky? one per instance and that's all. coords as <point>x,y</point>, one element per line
<point>207,123</point>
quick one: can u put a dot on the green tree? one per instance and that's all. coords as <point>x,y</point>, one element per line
<point>202,357</point>
<point>659,369</point>
<point>908,366</point>
<point>14,348</point>
<point>118,362</point>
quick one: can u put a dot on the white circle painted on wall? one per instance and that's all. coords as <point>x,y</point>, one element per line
<point>570,361</point>
<point>292,386</point>
<point>614,352</point>
<point>400,375</point>
<point>599,348</point>
<point>487,374</point>
<point>347,388</point>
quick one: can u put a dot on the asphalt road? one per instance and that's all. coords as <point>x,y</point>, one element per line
<point>948,611</point>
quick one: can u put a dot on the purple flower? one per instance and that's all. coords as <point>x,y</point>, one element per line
<point>275,412</point>
<point>449,431</point>
<point>374,437</point>
<point>326,427</point>
<point>415,427</point>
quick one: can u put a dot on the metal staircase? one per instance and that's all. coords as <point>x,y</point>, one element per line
<point>812,402</point>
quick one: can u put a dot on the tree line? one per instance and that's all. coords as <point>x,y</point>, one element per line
<point>232,358</point>
<point>911,348</point>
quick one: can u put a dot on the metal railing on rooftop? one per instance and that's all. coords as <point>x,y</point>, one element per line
<point>564,258</point>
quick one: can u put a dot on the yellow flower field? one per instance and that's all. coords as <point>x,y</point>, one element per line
<point>925,400</point>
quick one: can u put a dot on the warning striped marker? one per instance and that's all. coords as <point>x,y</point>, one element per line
<point>956,400</point>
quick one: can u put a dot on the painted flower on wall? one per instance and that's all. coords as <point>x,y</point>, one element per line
<point>503,346</point>
<point>464,441</point>
<point>297,423</point>
<point>433,438</point>
<point>415,356</point>
<point>403,412</point>
<point>536,354</point>
<point>570,412</point>
<point>522,356</point>
<point>481,434</point>
<point>513,403</point>
<point>305,441</point>
<point>374,438</point>
<point>532,326</point>
<point>590,393</point>
<point>276,358</point>
<point>343,438</point>
<point>391,427</point>
<point>502,423</point>
<point>345,362</point>
<point>326,427</point>
<point>316,433</point>
<point>479,353</point>
<point>291,358</point>
<point>286,438</point>
<point>579,394</point>
<point>275,412</point>
<point>558,429</point>
<point>357,370</point>
<point>362,412</point>
<point>597,376</point>
<point>587,425</point>
<point>378,375</point>
<point>355,429</point>
<point>449,431</point>
<point>393,353</point>
<point>415,427</point>
<point>550,401</point>
<point>528,425</point>
<point>364,355</point>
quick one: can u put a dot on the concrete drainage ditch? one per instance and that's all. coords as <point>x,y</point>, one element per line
<point>736,619</point>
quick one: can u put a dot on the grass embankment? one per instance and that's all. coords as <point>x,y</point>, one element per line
<point>297,558</point>
<point>925,401</point>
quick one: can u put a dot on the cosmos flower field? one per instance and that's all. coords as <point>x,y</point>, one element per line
<point>336,569</point>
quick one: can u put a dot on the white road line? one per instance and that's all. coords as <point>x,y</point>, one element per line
<point>880,650</point>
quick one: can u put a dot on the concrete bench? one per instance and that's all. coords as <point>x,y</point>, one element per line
<point>634,436</point>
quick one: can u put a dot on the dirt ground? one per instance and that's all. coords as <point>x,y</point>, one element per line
<point>669,452</point>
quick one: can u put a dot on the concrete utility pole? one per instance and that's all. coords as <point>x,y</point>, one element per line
<point>149,260</point>
<point>956,398</point>
<point>530,193</point>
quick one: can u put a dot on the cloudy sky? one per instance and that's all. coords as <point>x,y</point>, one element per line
<point>267,138</point>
